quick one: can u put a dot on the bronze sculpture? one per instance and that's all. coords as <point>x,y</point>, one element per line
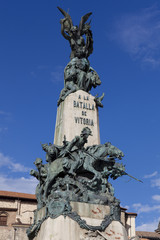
<point>74,34</point>
<point>74,172</point>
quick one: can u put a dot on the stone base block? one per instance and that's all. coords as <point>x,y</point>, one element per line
<point>63,228</point>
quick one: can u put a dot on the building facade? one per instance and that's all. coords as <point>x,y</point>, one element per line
<point>16,214</point>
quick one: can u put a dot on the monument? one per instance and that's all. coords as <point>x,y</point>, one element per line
<point>75,198</point>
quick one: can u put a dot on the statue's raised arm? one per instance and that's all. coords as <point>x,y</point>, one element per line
<point>66,24</point>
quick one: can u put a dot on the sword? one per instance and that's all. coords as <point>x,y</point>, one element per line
<point>125,173</point>
<point>133,177</point>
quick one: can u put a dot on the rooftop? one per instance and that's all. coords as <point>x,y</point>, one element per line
<point>26,196</point>
<point>148,235</point>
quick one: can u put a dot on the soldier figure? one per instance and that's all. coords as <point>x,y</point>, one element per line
<point>41,176</point>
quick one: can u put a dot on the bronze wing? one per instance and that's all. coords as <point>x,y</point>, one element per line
<point>82,24</point>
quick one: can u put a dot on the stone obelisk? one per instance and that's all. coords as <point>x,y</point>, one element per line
<point>75,199</point>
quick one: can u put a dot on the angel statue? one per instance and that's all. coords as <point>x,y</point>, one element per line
<point>78,74</point>
<point>74,34</point>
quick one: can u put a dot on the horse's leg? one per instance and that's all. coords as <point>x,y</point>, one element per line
<point>88,166</point>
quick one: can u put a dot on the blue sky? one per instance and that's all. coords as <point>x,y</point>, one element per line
<point>126,56</point>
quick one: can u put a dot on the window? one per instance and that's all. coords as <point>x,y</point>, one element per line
<point>3,218</point>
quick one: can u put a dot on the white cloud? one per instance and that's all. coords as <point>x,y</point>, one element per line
<point>33,74</point>
<point>156,183</point>
<point>149,227</point>
<point>151,175</point>
<point>6,161</point>
<point>156,198</point>
<point>140,208</point>
<point>3,113</point>
<point>19,184</point>
<point>137,205</point>
<point>139,35</point>
<point>24,185</point>
<point>3,129</point>
<point>126,206</point>
<point>57,75</point>
<point>5,116</point>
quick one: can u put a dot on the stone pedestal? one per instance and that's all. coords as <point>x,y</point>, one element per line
<point>77,111</point>
<point>64,228</point>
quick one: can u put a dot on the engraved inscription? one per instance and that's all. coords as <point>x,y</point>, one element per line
<point>85,106</point>
<point>84,113</point>
<point>84,121</point>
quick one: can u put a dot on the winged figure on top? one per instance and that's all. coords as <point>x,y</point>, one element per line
<point>74,34</point>
<point>78,74</point>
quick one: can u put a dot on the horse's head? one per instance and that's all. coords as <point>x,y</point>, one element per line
<point>114,151</point>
